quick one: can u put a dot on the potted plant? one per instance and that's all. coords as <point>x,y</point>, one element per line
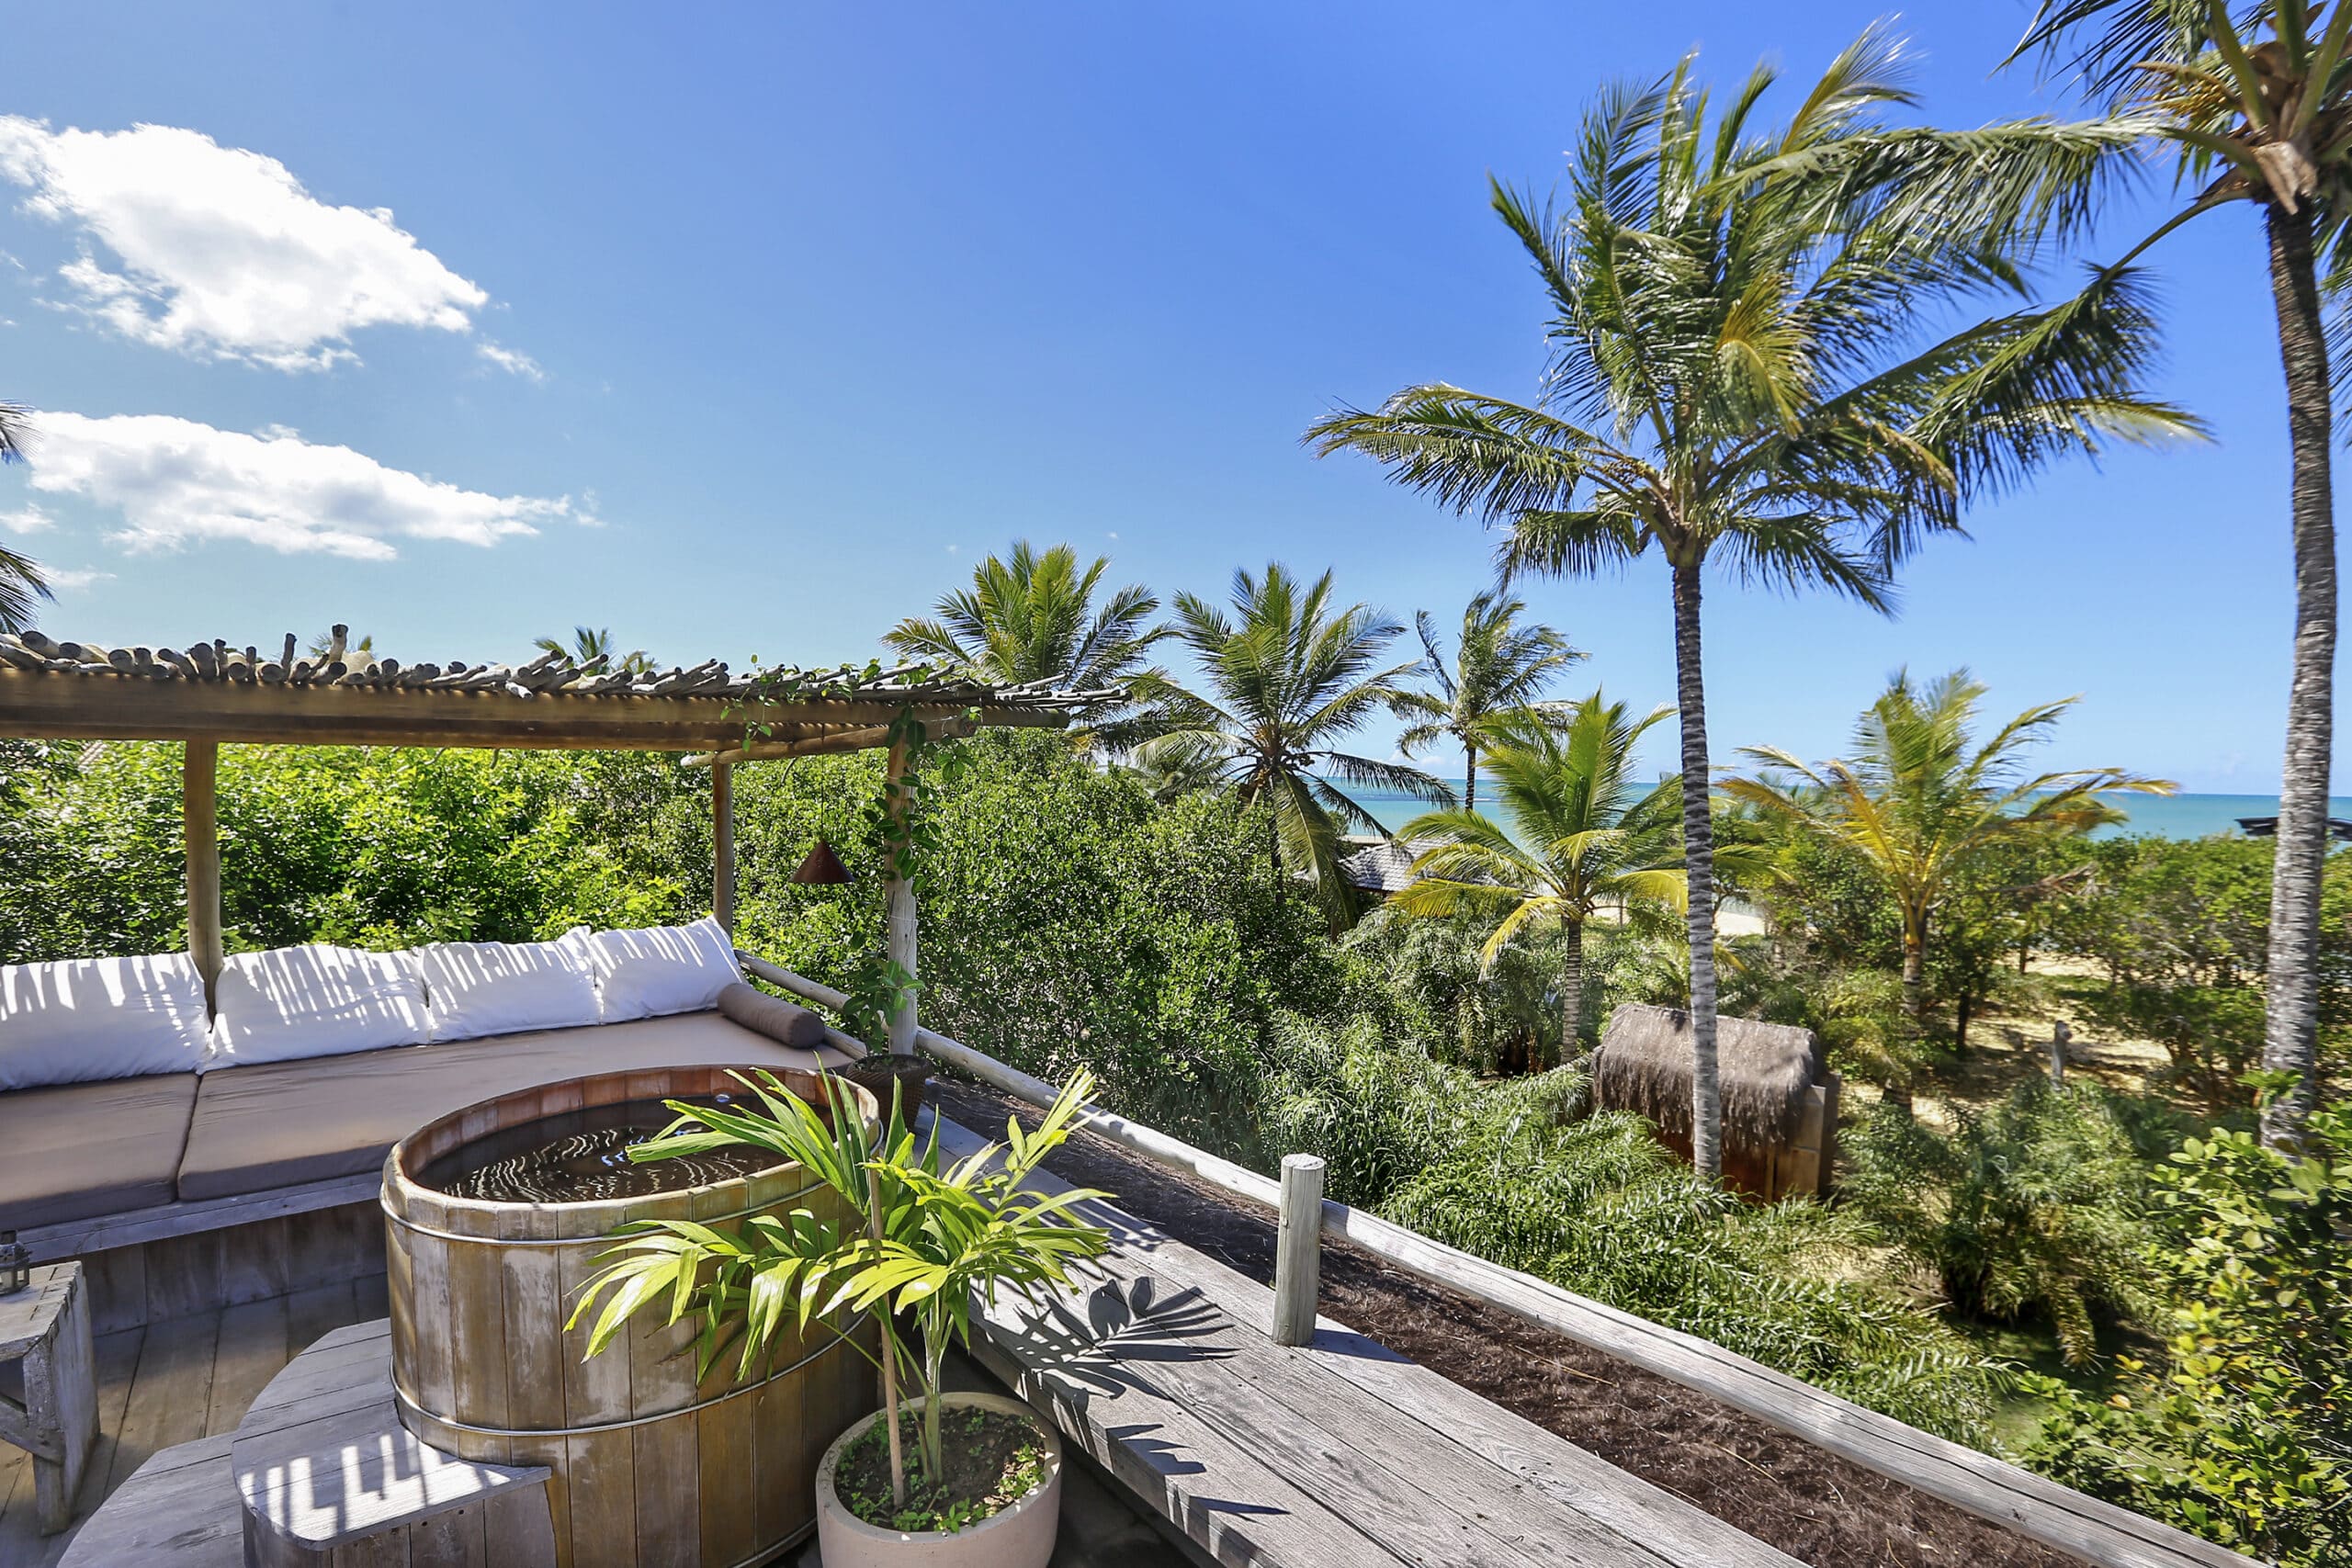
<point>939,1478</point>
<point>876,989</point>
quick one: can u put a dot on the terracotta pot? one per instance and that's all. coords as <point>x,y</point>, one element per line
<point>1020,1537</point>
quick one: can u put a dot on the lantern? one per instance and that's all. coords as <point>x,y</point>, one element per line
<point>822,866</point>
<point>16,1264</point>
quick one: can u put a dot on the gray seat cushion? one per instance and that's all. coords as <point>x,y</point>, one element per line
<point>74,1150</point>
<point>284,1124</point>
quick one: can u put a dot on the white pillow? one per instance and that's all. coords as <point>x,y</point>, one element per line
<point>295,1003</point>
<point>84,1018</point>
<point>659,970</point>
<point>473,988</point>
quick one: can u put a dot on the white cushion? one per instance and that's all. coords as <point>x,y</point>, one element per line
<point>318,1001</point>
<point>473,988</point>
<point>659,970</point>
<point>86,1019</point>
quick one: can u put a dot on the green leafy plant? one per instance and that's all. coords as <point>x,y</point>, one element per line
<point>2241,1427</point>
<point>923,1243</point>
<point>2039,1204</point>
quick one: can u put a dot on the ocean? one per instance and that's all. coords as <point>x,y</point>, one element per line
<point>2153,816</point>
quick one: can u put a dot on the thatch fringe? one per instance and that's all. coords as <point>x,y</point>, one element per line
<point>1643,1065</point>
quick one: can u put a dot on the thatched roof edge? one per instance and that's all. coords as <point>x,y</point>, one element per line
<point>1643,1065</point>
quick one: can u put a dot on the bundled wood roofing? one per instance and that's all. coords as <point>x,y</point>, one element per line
<point>211,691</point>
<point>1643,1065</point>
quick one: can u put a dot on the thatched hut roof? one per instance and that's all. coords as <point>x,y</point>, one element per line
<point>1643,1065</point>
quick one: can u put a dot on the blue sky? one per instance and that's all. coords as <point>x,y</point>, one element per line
<point>747,333</point>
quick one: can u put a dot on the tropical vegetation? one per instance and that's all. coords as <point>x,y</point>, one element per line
<point>1734,381</point>
<point>1284,675</point>
<point>1583,838</point>
<point>1499,668</point>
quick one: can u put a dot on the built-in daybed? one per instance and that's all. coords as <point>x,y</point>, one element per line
<point>253,1171</point>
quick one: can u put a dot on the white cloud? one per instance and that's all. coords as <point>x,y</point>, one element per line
<point>31,520</point>
<point>176,483</point>
<point>68,577</point>
<point>220,252</point>
<point>511,361</point>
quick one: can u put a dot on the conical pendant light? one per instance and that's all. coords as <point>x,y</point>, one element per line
<point>821,866</point>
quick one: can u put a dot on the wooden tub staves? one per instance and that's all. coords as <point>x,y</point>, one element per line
<point>650,1466</point>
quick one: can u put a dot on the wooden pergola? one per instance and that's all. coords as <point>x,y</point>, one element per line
<point>212,694</point>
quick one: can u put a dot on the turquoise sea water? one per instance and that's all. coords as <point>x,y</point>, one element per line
<point>2159,817</point>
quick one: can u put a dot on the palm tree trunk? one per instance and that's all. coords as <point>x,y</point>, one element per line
<point>1469,776</point>
<point>2291,1031</point>
<point>1699,870</point>
<point>1571,990</point>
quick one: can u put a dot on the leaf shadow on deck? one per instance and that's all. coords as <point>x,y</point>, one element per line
<point>1100,1343</point>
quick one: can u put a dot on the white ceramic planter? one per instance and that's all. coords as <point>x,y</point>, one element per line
<point>1020,1537</point>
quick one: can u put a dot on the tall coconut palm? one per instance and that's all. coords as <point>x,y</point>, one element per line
<point>1283,677</point>
<point>22,582</point>
<point>1921,799</point>
<point>1034,618</point>
<point>589,644</point>
<point>2257,105</point>
<point>1730,383</point>
<point>1497,665</point>
<point>1584,835</point>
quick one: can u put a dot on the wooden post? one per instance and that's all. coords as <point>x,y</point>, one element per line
<point>722,845</point>
<point>2060,1034</point>
<point>198,771</point>
<point>902,938</point>
<point>1298,1250</point>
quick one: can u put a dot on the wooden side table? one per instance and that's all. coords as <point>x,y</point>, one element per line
<point>48,1329</point>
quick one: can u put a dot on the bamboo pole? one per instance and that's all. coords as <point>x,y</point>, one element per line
<point>902,938</point>
<point>722,846</point>
<point>200,830</point>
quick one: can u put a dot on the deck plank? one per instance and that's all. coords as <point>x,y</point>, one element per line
<point>252,1350</point>
<point>169,1394</point>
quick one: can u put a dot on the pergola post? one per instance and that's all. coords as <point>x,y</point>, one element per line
<point>200,830</point>
<point>901,937</point>
<point>722,845</point>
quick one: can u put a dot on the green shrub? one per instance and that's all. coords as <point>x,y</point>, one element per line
<point>2241,1427</point>
<point>1599,1207</point>
<point>2038,1205</point>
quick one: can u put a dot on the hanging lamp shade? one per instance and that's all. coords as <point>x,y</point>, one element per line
<point>822,866</point>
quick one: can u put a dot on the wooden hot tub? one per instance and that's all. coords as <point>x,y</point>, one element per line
<point>650,1467</point>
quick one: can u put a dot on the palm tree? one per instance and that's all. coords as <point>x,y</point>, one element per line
<point>589,644</point>
<point>1726,384</point>
<point>1583,837</point>
<point>22,582</point>
<point>1278,685</point>
<point>337,643</point>
<point>1497,665</point>
<point>1920,800</point>
<point>2258,107</point>
<point>1034,618</point>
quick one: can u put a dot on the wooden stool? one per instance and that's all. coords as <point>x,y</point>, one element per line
<point>48,1329</point>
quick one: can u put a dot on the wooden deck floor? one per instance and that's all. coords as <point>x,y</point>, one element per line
<point>172,1382</point>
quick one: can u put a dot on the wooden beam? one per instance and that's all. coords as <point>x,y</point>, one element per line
<point>200,830</point>
<point>722,846</point>
<point>828,744</point>
<point>45,706</point>
<point>901,937</point>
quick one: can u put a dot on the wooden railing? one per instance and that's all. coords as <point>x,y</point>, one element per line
<point>2033,1505</point>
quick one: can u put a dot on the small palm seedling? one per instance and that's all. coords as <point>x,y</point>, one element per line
<point>920,1244</point>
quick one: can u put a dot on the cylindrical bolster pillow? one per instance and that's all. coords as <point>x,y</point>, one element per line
<point>773,1016</point>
